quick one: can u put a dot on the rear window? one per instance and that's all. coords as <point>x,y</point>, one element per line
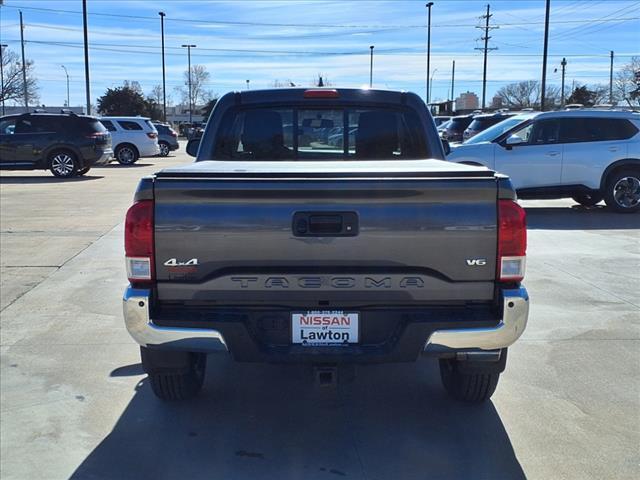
<point>307,133</point>
<point>480,124</point>
<point>150,125</point>
<point>92,126</point>
<point>108,125</point>
<point>460,123</point>
<point>129,125</point>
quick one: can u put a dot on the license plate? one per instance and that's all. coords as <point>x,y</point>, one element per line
<point>324,328</point>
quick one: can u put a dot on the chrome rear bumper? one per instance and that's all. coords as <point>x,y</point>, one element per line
<point>515,312</point>
<point>146,333</point>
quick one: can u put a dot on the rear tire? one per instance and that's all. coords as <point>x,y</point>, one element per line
<point>467,387</point>
<point>63,164</point>
<point>165,149</point>
<point>622,191</point>
<point>126,154</point>
<point>588,199</point>
<point>170,381</point>
<point>83,171</point>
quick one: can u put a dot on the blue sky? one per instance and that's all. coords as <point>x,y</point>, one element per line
<point>296,40</point>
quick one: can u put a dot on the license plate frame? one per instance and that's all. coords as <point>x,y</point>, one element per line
<point>325,328</point>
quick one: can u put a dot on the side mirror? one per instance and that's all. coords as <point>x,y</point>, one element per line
<point>514,140</point>
<point>446,146</point>
<point>192,147</point>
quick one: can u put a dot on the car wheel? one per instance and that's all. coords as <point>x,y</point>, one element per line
<point>622,191</point>
<point>588,199</point>
<point>476,387</point>
<point>170,381</point>
<point>164,149</point>
<point>126,154</point>
<point>84,170</point>
<point>63,164</point>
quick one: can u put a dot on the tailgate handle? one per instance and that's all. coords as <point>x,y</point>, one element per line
<point>325,224</point>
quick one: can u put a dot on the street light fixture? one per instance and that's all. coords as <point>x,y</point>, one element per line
<point>428,5</point>
<point>67,74</point>
<point>189,47</point>
<point>164,85</point>
<point>371,68</point>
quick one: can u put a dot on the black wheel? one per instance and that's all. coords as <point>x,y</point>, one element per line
<point>622,191</point>
<point>164,149</point>
<point>588,199</point>
<point>63,164</point>
<point>471,387</point>
<point>174,375</point>
<point>126,154</point>
<point>84,170</point>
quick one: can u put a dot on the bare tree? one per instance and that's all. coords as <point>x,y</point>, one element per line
<point>200,94</point>
<point>133,85</point>
<point>280,84</point>
<point>526,94</point>
<point>12,88</point>
<point>156,94</point>
<point>627,83</point>
<point>321,81</point>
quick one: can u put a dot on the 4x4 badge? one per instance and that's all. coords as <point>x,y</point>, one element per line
<point>173,262</point>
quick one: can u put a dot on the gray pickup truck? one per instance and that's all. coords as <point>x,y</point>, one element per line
<point>322,226</point>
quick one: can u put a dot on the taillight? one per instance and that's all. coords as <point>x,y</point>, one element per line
<point>321,93</point>
<point>173,133</point>
<point>152,135</point>
<point>138,242</point>
<point>96,135</point>
<point>512,241</point>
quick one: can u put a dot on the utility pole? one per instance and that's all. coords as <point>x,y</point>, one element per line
<point>87,88</point>
<point>544,57</point>
<point>2,46</point>
<point>564,65</point>
<point>453,78</point>
<point>428,5</point>
<point>485,50</point>
<point>164,83</point>
<point>371,68</point>
<point>611,80</point>
<point>189,47</point>
<point>247,84</point>
<point>67,74</point>
<point>24,67</point>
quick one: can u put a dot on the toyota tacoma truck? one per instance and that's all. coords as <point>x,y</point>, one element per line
<point>281,244</point>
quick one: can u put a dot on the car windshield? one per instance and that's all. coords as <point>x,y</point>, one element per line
<point>498,129</point>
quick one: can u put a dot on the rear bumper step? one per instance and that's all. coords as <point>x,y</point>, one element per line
<point>147,333</point>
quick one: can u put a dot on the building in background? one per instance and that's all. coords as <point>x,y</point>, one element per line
<point>496,102</point>
<point>467,101</point>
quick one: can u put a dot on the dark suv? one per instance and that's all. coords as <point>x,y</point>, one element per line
<point>67,144</point>
<point>482,122</point>
<point>167,138</point>
<point>457,125</point>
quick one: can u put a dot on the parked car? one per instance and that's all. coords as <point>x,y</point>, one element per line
<point>167,138</point>
<point>457,125</point>
<point>440,119</point>
<point>588,155</point>
<point>273,252</point>
<point>133,137</point>
<point>67,144</point>
<point>482,122</point>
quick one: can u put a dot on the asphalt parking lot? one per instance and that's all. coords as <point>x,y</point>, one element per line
<point>75,403</point>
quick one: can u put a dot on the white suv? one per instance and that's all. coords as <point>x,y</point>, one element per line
<point>584,154</point>
<point>132,138</point>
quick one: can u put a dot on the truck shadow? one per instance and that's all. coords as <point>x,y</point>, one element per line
<point>25,179</point>
<point>265,421</point>
<point>580,218</point>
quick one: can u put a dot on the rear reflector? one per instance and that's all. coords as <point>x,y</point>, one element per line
<point>138,242</point>
<point>321,93</point>
<point>512,241</point>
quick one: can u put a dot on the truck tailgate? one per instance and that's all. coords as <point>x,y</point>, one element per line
<point>421,232</point>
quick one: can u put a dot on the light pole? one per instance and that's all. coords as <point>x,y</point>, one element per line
<point>164,85</point>
<point>189,47</point>
<point>247,84</point>
<point>25,91</point>
<point>431,81</point>
<point>544,57</point>
<point>67,74</point>
<point>2,46</point>
<point>429,5</point>
<point>85,26</point>
<point>371,68</point>
<point>564,64</point>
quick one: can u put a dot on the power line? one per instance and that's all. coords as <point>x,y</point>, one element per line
<point>301,25</point>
